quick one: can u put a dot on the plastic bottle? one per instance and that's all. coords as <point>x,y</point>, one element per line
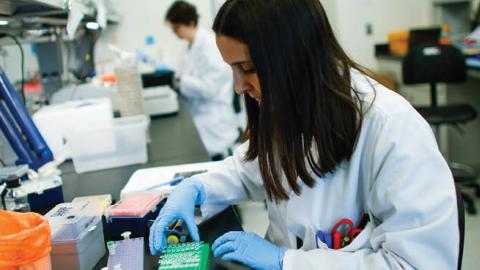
<point>14,198</point>
<point>445,35</point>
<point>3,190</point>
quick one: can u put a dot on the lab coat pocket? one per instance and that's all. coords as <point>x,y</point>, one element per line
<point>362,239</point>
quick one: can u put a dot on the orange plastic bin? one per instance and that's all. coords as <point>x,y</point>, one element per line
<point>24,241</point>
<point>398,42</point>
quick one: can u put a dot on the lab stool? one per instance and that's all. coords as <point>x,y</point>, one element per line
<point>434,64</point>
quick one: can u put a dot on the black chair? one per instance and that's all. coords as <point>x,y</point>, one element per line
<point>424,36</point>
<point>461,227</point>
<point>433,64</point>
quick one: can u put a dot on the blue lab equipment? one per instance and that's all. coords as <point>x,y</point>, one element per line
<point>19,129</point>
<point>44,193</point>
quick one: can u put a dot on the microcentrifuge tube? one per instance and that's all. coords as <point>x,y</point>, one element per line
<point>111,247</point>
<point>126,235</point>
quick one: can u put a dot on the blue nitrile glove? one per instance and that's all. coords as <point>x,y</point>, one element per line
<point>249,249</point>
<point>180,205</point>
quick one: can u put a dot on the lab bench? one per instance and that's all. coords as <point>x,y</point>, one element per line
<point>174,140</point>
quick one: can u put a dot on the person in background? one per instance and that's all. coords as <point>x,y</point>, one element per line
<point>205,81</point>
<point>326,143</point>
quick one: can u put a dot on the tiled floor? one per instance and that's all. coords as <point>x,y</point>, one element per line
<point>255,219</point>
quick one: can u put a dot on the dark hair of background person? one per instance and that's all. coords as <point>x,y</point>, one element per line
<point>309,117</point>
<point>182,12</point>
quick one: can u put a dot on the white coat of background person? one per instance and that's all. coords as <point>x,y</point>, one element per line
<point>205,81</point>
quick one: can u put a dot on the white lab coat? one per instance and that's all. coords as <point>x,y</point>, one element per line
<point>206,83</point>
<point>396,175</point>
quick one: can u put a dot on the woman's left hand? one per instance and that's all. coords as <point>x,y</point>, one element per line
<point>249,249</point>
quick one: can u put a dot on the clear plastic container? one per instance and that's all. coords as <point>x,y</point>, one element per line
<point>59,123</point>
<point>78,246</point>
<point>73,231</point>
<point>128,253</point>
<point>19,171</point>
<point>136,205</point>
<point>40,185</point>
<point>101,201</point>
<point>129,85</point>
<point>77,237</point>
<point>69,213</point>
<point>130,141</point>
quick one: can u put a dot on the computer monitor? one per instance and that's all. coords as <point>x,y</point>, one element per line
<point>424,36</point>
<point>50,63</point>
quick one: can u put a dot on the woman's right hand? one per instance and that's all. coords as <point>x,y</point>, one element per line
<point>180,205</point>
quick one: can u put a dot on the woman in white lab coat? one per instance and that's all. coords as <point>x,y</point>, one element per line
<point>205,82</point>
<point>325,142</point>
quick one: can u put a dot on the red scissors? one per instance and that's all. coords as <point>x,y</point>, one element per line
<point>341,240</point>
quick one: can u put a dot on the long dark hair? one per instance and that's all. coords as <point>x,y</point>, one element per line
<point>309,112</point>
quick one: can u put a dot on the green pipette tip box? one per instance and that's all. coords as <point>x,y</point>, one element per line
<point>185,256</point>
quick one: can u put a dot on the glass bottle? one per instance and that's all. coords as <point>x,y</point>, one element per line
<point>445,35</point>
<point>14,198</point>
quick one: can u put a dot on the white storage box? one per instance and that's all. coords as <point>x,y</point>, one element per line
<point>157,180</point>
<point>160,100</point>
<point>77,239</point>
<point>101,201</point>
<point>130,146</point>
<point>59,123</point>
<point>19,171</point>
